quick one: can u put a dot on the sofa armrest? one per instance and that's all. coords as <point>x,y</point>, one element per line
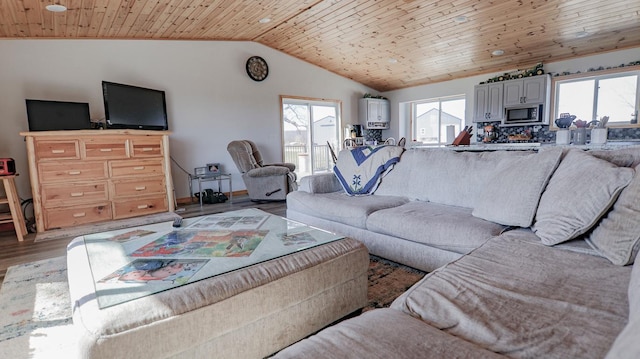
<point>320,183</point>
<point>268,171</point>
<point>290,166</point>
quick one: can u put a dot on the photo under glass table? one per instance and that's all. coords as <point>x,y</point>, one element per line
<point>136,262</point>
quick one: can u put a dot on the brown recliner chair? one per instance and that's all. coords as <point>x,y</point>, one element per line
<point>264,182</point>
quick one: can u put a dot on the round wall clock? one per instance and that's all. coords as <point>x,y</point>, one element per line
<point>257,68</point>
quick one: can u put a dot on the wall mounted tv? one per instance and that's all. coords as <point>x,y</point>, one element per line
<point>132,107</point>
<point>44,115</point>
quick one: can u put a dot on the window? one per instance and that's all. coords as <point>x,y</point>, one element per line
<point>590,97</point>
<point>308,127</point>
<point>432,117</point>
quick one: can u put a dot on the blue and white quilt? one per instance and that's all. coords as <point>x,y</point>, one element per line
<point>360,169</point>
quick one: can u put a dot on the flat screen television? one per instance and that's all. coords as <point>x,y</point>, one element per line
<point>132,107</point>
<point>44,115</point>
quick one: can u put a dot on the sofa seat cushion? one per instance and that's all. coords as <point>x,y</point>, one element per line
<point>340,207</point>
<point>438,225</point>
<point>383,333</point>
<point>627,344</point>
<point>518,297</point>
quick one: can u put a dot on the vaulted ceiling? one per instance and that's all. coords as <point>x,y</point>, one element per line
<point>384,44</point>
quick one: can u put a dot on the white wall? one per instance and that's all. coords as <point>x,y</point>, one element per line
<point>210,98</point>
<point>399,99</point>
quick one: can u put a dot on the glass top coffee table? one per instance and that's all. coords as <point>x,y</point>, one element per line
<point>136,262</point>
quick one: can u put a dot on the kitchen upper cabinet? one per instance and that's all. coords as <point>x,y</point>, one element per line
<point>374,113</point>
<point>529,90</point>
<point>488,104</point>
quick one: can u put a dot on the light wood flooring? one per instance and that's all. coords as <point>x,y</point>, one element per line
<point>13,252</point>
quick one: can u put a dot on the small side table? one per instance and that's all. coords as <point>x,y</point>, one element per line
<point>15,209</point>
<point>208,178</point>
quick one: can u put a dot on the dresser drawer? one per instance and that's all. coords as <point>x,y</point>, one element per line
<point>62,149</point>
<point>137,187</point>
<point>72,216</point>
<point>60,194</point>
<point>146,147</point>
<point>150,167</point>
<point>103,148</point>
<point>139,206</point>
<point>72,171</point>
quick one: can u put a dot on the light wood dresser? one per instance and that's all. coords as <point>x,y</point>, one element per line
<point>87,176</point>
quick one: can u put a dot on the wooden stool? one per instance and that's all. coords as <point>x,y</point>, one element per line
<point>13,201</point>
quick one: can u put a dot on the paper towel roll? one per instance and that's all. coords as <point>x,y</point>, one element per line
<point>451,134</point>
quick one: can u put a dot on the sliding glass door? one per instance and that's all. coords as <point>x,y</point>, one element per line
<point>309,127</point>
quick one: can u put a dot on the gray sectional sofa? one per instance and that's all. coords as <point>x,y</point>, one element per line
<point>530,255</point>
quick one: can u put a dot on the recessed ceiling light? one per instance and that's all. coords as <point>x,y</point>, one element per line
<point>264,20</point>
<point>581,34</point>
<point>497,52</point>
<point>56,8</point>
<point>392,60</point>
<point>460,19</point>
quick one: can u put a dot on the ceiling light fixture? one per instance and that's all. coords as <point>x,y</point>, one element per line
<point>264,20</point>
<point>497,52</point>
<point>460,19</point>
<point>56,8</point>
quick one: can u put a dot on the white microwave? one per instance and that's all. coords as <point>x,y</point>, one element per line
<point>524,115</point>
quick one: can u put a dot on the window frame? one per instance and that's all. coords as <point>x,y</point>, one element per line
<point>597,76</point>
<point>413,112</point>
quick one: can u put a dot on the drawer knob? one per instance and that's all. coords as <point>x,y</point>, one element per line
<point>138,168</point>
<point>147,149</point>
<point>73,173</point>
<point>57,151</point>
<point>78,215</point>
<point>105,150</point>
<point>141,188</point>
<point>143,206</point>
<point>77,194</point>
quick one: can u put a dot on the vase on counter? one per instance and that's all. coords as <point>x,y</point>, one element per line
<point>580,136</point>
<point>563,136</point>
<point>599,135</point>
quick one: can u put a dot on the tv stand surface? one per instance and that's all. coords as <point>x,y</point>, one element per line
<point>86,176</point>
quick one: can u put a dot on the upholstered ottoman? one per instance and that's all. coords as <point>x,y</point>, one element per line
<point>248,313</point>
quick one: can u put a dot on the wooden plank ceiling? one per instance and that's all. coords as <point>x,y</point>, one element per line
<point>384,44</point>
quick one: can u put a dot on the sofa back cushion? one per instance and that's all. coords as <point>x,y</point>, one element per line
<point>623,157</point>
<point>579,193</point>
<point>518,182</point>
<point>520,298</point>
<point>444,176</point>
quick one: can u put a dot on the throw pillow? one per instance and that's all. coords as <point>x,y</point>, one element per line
<point>580,191</point>
<point>617,236</point>
<point>519,183</point>
<point>359,170</point>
